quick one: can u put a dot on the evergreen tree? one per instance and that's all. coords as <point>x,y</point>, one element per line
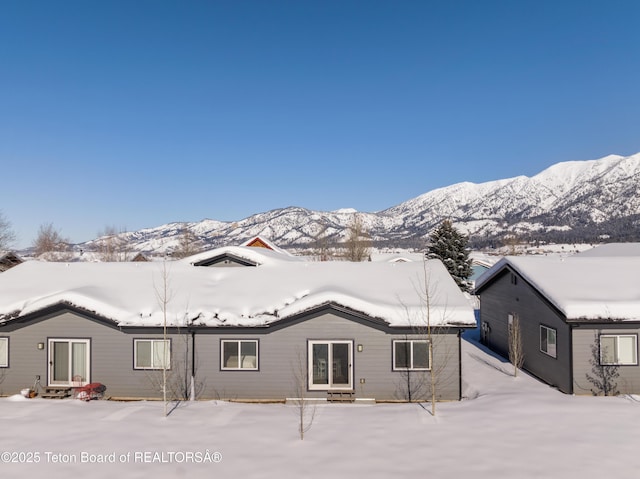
<point>448,245</point>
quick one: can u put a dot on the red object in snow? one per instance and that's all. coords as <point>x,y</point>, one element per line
<point>90,391</point>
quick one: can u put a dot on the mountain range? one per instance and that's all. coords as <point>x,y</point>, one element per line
<point>575,201</point>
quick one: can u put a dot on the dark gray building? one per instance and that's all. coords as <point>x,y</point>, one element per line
<point>579,317</point>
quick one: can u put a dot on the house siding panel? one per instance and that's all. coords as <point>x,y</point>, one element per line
<point>502,298</point>
<point>111,354</point>
<point>282,349</point>
<point>280,346</point>
<point>584,336</point>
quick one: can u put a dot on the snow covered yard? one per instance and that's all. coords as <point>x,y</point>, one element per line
<point>505,428</point>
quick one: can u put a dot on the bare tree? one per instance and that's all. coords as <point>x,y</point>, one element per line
<point>112,245</point>
<point>7,236</point>
<point>603,376</point>
<point>163,295</point>
<point>321,249</point>
<point>306,411</point>
<point>188,243</point>
<point>357,246</point>
<point>516,350</point>
<point>434,353</point>
<point>50,244</point>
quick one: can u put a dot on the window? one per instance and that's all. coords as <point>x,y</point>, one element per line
<point>4,352</point>
<point>152,354</point>
<point>548,341</point>
<point>330,365</point>
<point>618,349</point>
<point>239,354</point>
<point>411,355</point>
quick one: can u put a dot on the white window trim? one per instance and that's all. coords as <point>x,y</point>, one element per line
<point>411,367</point>
<point>330,386</point>
<point>153,342</point>
<point>239,343</point>
<point>617,337</point>
<point>547,328</point>
<point>4,361</point>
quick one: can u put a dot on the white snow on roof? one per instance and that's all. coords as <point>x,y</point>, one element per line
<point>581,287</point>
<point>260,256</point>
<point>128,293</point>
<point>613,249</point>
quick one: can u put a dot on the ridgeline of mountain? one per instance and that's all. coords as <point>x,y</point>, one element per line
<point>576,201</point>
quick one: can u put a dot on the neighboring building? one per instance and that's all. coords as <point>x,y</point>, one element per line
<point>243,332</point>
<point>613,250</point>
<point>8,260</point>
<point>579,316</point>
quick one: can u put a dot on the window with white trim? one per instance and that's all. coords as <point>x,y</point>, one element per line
<point>239,354</point>
<point>4,352</point>
<point>548,341</point>
<point>618,349</point>
<point>411,355</point>
<point>152,354</point>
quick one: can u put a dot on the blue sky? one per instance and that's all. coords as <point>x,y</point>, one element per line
<point>137,113</point>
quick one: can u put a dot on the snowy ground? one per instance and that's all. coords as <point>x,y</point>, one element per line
<point>515,428</point>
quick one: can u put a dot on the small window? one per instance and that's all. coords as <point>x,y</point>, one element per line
<point>4,352</point>
<point>411,355</point>
<point>548,341</point>
<point>239,354</point>
<point>514,279</point>
<point>618,349</point>
<point>152,354</point>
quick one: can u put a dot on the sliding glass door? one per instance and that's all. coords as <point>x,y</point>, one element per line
<point>330,365</point>
<point>69,362</point>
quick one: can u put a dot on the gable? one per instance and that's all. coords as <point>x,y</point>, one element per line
<point>258,243</point>
<point>583,289</point>
<point>225,259</point>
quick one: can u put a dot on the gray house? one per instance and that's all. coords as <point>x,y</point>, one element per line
<point>579,317</point>
<point>237,323</point>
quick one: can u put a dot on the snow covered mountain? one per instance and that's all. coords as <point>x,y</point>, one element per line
<point>570,201</point>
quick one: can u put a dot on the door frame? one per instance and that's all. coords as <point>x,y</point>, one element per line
<point>51,362</point>
<point>330,384</point>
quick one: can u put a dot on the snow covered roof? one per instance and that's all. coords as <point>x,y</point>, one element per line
<point>260,242</point>
<point>251,254</point>
<point>127,293</point>
<point>581,287</point>
<point>613,249</point>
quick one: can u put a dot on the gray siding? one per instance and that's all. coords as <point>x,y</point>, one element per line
<point>111,354</point>
<point>502,298</point>
<point>584,337</point>
<point>280,350</point>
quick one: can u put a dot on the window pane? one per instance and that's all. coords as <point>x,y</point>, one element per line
<point>60,361</point>
<point>230,354</point>
<point>4,352</point>
<point>320,362</point>
<point>249,351</point>
<point>401,358</point>
<point>608,349</point>
<point>340,363</point>
<point>161,354</point>
<point>627,350</point>
<point>543,339</point>
<point>143,354</point>
<point>420,355</point>
<point>79,362</point>
<point>551,342</point>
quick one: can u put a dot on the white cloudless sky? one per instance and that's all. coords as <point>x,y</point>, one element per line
<point>135,114</point>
